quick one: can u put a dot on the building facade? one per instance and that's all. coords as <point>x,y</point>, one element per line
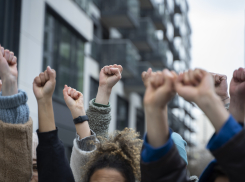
<point>78,37</point>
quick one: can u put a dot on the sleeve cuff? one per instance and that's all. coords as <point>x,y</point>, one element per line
<point>151,154</point>
<point>99,105</point>
<point>228,130</point>
<point>48,138</point>
<point>87,143</point>
<point>8,102</point>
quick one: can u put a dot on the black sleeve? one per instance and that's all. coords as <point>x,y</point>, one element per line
<point>169,168</point>
<point>231,157</point>
<point>52,164</point>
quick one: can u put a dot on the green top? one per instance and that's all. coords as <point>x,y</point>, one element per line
<point>100,105</point>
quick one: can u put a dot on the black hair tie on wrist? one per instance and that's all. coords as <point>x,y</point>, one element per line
<point>80,119</point>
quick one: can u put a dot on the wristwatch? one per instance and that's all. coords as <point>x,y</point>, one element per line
<point>80,119</point>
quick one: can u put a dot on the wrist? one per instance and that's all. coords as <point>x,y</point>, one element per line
<point>103,95</point>
<point>44,101</point>
<point>76,113</point>
<point>215,111</point>
<point>225,98</point>
<point>9,85</point>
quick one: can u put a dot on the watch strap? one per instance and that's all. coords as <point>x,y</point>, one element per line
<point>80,119</point>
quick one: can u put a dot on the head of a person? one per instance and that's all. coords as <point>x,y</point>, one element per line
<point>116,159</point>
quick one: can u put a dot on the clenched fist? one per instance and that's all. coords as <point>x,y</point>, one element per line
<point>237,85</point>
<point>237,93</point>
<point>160,89</point>
<point>220,82</point>
<point>74,101</point>
<point>195,85</point>
<point>8,64</point>
<point>110,75</point>
<point>44,84</point>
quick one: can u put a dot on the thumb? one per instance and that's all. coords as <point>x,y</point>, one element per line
<point>65,93</point>
<point>51,73</point>
<point>168,76</point>
<point>116,72</point>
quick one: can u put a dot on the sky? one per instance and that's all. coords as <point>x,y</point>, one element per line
<point>217,35</point>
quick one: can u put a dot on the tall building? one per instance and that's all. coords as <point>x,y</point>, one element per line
<point>78,37</point>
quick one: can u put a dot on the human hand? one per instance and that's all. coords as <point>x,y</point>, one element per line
<point>8,72</point>
<point>146,76</point>
<point>160,89</point>
<point>44,85</point>
<point>194,85</point>
<point>237,90</point>
<point>8,64</point>
<point>109,76</point>
<point>74,101</point>
<point>220,82</point>
<point>237,85</point>
<point>198,86</point>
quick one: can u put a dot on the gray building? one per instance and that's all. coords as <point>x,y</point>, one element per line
<point>78,37</point>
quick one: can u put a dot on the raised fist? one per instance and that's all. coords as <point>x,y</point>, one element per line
<point>220,82</point>
<point>44,84</point>
<point>195,85</point>
<point>8,64</point>
<point>160,89</point>
<point>74,101</point>
<point>110,75</point>
<point>237,85</point>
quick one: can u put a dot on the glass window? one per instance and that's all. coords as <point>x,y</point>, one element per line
<point>64,52</point>
<point>122,113</point>
<point>94,84</point>
<point>140,122</point>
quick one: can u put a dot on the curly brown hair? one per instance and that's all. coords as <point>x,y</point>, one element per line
<point>120,151</point>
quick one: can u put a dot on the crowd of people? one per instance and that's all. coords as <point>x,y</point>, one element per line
<point>99,156</point>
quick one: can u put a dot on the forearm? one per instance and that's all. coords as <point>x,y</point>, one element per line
<point>9,86</point>
<point>237,109</point>
<point>103,95</point>
<point>83,129</point>
<point>157,126</point>
<point>46,116</point>
<point>215,111</point>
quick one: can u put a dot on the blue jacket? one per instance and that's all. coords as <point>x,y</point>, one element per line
<point>227,146</point>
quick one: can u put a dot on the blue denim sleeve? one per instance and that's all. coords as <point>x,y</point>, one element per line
<point>228,130</point>
<point>151,154</point>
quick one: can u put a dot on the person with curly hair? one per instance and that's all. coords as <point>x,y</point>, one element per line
<point>110,158</point>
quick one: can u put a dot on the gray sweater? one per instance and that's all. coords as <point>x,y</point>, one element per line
<point>14,109</point>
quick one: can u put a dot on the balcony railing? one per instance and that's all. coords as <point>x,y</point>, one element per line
<point>147,4</point>
<point>136,84</point>
<point>158,58</point>
<point>120,13</point>
<point>119,51</point>
<point>175,52</point>
<point>143,37</point>
<point>84,4</point>
<point>159,16</point>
